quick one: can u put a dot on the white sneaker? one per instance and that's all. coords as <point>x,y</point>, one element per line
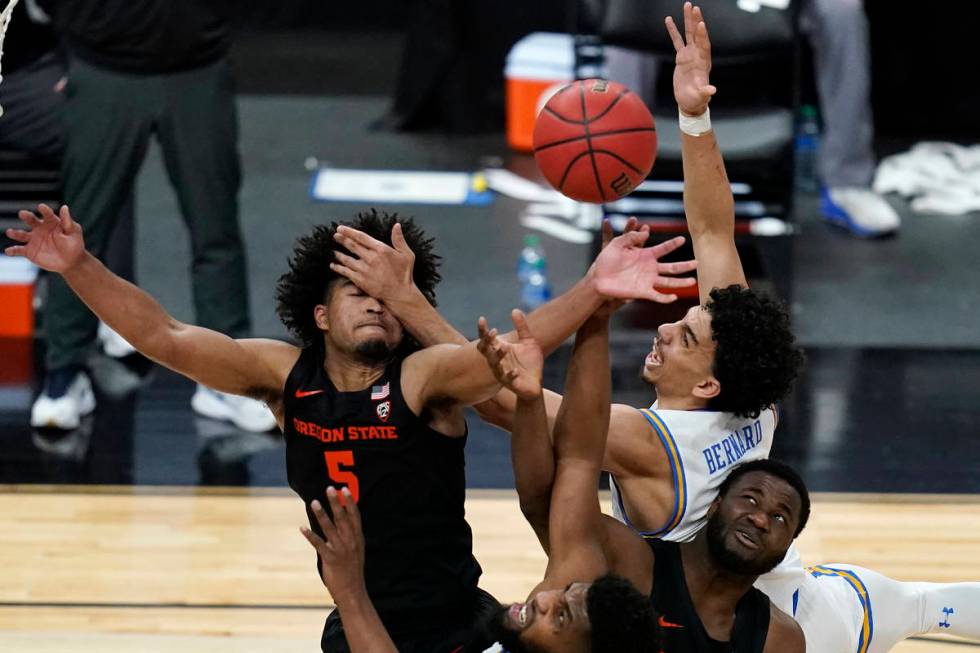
<point>245,413</point>
<point>113,344</point>
<point>64,412</point>
<point>859,210</point>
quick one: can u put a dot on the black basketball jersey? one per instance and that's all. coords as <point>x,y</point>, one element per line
<point>680,625</point>
<point>409,483</point>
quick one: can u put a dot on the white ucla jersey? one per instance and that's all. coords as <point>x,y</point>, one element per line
<point>702,446</point>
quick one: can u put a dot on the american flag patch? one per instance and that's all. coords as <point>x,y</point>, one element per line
<point>380,391</point>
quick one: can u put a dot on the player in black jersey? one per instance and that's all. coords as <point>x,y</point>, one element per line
<point>603,580</point>
<point>702,589</point>
<point>358,406</point>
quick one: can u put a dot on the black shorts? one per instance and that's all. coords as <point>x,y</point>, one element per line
<point>461,635</point>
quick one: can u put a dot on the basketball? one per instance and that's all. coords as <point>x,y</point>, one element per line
<point>595,140</point>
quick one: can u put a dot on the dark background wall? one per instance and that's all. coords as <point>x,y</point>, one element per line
<point>923,56</point>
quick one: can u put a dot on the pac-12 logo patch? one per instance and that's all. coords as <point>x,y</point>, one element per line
<point>384,409</point>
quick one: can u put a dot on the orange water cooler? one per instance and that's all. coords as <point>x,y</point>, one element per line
<point>17,277</point>
<point>537,66</point>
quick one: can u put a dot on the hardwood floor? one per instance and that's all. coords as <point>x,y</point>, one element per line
<point>122,569</point>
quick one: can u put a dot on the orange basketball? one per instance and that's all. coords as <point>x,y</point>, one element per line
<point>595,140</point>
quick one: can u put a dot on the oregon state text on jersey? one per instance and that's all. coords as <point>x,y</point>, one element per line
<point>408,481</point>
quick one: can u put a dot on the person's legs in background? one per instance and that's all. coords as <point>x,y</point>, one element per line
<point>198,131</point>
<point>108,124</point>
<point>34,108</point>
<point>838,34</point>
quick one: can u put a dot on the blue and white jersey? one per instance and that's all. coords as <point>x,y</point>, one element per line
<point>702,446</point>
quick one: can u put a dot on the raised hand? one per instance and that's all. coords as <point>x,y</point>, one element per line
<point>381,271</point>
<point>613,304</point>
<point>53,242</point>
<point>627,270</point>
<point>517,365</point>
<point>693,63</point>
<point>342,553</point>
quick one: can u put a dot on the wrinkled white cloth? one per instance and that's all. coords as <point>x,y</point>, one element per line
<point>937,177</point>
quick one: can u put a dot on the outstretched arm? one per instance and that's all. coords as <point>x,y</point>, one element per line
<point>532,457</point>
<point>342,570</point>
<point>579,441</point>
<point>256,368</point>
<point>708,200</point>
<point>624,270</point>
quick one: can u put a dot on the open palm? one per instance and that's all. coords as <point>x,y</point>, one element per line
<point>51,241</point>
<point>692,91</point>
<point>626,269</point>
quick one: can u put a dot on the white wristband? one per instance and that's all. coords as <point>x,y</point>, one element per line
<point>695,125</point>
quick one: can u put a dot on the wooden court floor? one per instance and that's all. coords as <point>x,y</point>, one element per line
<point>175,569</point>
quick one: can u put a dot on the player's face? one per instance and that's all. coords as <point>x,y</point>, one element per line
<point>754,524</point>
<point>358,323</point>
<point>552,620</point>
<point>682,355</point>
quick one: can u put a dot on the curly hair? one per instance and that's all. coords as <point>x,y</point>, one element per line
<point>306,283</point>
<point>756,359</point>
<point>623,619</point>
<point>780,470</point>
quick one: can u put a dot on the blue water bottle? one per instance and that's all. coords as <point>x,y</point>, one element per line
<point>532,274</point>
<point>807,145</point>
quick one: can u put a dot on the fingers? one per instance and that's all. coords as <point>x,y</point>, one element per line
<point>482,327</point>
<point>667,246</point>
<point>607,232</point>
<point>488,341</point>
<point>689,24</point>
<point>704,43</point>
<point>349,262</point>
<point>351,275</point>
<point>676,282</point>
<point>67,222</point>
<point>352,511</point>
<point>633,224</point>
<point>636,238</point>
<point>520,324</point>
<point>680,267</point>
<point>46,213</point>
<point>315,540</point>
<point>709,90</point>
<point>675,36</point>
<point>660,297</point>
<point>358,237</point>
<point>16,250</point>
<point>326,525</point>
<point>28,218</point>
<point>490,346</point>
<point>398,240</point>
<point>341,517</point>
<point>18,235</point>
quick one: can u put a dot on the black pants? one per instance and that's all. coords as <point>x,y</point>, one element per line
<point>110,119</point>
<point>448,635</point>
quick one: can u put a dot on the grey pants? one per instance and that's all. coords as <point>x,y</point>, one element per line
<point>110,118</point>
<point>838,33</point>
